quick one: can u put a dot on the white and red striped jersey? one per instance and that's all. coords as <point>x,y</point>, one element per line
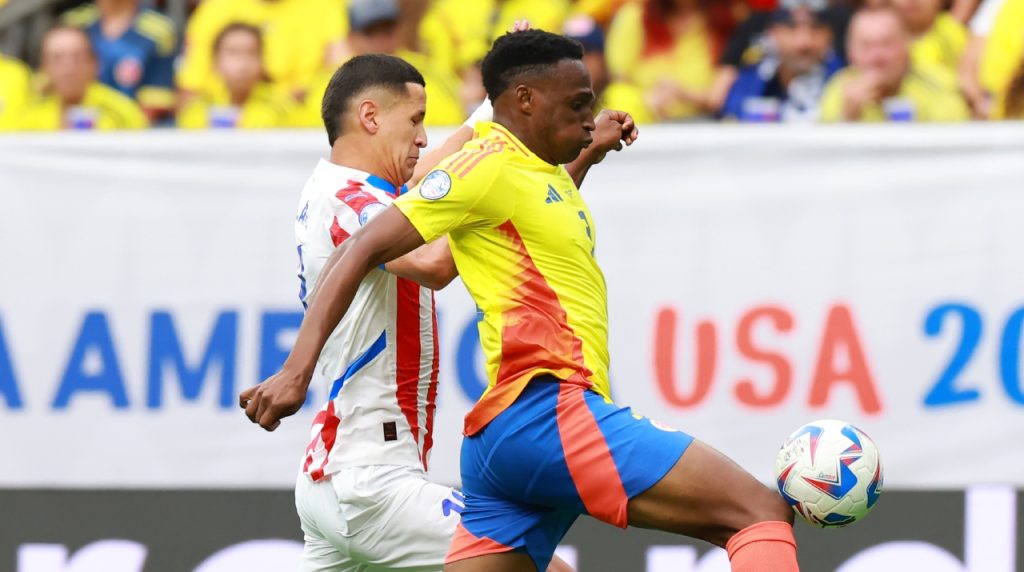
<point>379,366</point>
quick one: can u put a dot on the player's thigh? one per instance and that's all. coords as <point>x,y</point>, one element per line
<point>319,555</point>
<point>413,529</point>
<point>429,513</point>
<point>501,562</point>
<point>708,496</point>
<point>314,503</point>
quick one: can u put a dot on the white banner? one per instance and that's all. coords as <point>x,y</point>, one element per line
<point>758,278</point>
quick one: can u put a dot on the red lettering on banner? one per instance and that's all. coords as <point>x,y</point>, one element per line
<point>746,390</point>
<point>841,333</point>
<point>665,360</point>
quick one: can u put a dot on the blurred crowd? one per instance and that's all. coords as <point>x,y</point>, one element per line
<point>119,64</point>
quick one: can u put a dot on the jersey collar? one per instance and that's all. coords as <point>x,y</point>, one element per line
<point>513,144</point>
<point>373,180</point>
<point>386,186</point>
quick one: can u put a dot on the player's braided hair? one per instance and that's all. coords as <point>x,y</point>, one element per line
<point>356,76</point>
<point>520,53</point>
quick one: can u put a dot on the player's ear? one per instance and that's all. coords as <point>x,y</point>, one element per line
<point>368,112</point>
<point>524,98</point>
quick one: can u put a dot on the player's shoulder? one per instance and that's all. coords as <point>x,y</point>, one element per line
<point>476,162</point>
<point>484,157</point>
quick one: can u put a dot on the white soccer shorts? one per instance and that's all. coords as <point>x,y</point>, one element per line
<point>376,518</point>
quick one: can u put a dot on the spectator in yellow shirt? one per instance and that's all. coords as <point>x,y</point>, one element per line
<point>882,84</point>
<point>239,96</point>
<point>374,29</point>
<point>73,98</point>
<point>299,38</point>
<point>937,38</point>
<point>601,11</point>
<point>660,57</point>
<point>993,54</point>
<point>14,90</point>
<point>456,34</point>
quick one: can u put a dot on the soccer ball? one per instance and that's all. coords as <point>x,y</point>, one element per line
<point>829,472</point>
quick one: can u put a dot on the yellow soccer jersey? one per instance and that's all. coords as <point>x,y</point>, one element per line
<point>942,45</point>
<point>15,79</point>
<point>264,109</point>
<point>297,35</point>
<point>928,95</point>
<point>523,241</point>
<point>103,108</point>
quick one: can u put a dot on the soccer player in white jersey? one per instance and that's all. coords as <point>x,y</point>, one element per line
<point>366,460</point>
<point>362,493</point>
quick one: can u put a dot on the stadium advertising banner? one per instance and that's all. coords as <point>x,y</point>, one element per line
<point>758,279</point>
<point>232,531</point>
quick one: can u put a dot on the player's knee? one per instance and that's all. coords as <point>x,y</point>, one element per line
<point>767,507</point>
<point>764,505</point>
<point>781,511</point>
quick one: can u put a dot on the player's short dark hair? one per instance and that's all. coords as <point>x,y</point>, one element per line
<point>356,76</point>
<point>237,27</point>
<point>518,53</point>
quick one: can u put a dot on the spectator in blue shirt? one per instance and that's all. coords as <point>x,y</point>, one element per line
<point>135,48</point>
<point>798,59</point>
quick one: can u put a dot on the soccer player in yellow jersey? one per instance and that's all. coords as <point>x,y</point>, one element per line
<point>545,443</point>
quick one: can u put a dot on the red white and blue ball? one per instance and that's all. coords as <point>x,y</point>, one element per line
<point>829,472</point>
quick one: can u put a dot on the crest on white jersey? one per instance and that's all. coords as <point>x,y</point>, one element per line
<point>435,186</point>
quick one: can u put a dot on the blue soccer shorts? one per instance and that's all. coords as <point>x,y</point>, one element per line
<point>559,451</point>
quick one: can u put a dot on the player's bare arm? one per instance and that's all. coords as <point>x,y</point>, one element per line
<point>612,129</point>
<point>451,145</point>
<point>386,237</point>
<point>430,265</point>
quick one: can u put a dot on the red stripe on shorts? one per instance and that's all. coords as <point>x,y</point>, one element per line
<point>465,545</point>
<point>589,460</point>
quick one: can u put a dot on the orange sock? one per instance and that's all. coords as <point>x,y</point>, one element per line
<point>763,547</point>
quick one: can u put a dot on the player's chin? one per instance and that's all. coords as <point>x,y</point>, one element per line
<point>574,153</point>
<point>410,165</point>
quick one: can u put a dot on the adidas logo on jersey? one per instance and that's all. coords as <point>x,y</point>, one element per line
<point>553,196</point>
